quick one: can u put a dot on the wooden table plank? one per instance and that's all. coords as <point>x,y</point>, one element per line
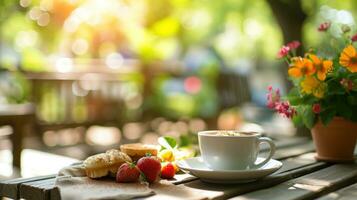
<point>296,162</point>
<point>295,150</point>
<point>286,149</point>
<point>183,178</point>
<point>222,191</point>
<point>37,189</point>
<point>286,142</point>
<point>55,194</point>
<point>10,188</point>
<point>347,193</point>
<point>309,186</point>
<point>45,189</point>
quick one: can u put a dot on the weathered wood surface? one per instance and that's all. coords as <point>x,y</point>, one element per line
<point>221,191</point>
<point>308,186</point>
<point>41,189</point>
<point>11,188</point>
<point>45,189</point>
<point>37,189</point>
<point>301,177</point>
<point>347,193</point>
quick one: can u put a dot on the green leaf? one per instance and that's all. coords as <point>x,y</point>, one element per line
<point>352,76</point>
<point>309,100</point>
<point>294,91</point>
<point>167,142</point>
<point>354,115</point>
<point>297,120</point>
<point>294,100</point>
<point>294,97</point>
<point>184,140</point>
<point>352,100</point>
<point>343,109</point>
<point>335,88</point>
<point>308,116</point>
<point>327,115</point>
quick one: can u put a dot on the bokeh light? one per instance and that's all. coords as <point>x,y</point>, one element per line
<point>64,65</point>
<point>80,46</point>
<point>149,138</point>
<point>25,3</point>
<point>133,131</point>
<point>192,84</point>
<point>98,135</point>
<point>43,19</point>
<point>114,60</point>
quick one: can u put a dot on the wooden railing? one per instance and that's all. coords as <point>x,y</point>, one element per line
<point>77,98</point>
<point>68,100</point>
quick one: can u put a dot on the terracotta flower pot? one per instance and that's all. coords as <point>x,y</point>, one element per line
<point>336,141</point>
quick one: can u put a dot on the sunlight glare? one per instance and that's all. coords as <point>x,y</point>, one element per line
<point>64,65</point>
<point>114,60</point>
<point>253,28</point>
<point>98,135</point>
<point>80,46</point>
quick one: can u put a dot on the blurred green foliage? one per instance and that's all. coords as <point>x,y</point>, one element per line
<point>33,32</point>
<point>163,30</point>
<point>14,88</point>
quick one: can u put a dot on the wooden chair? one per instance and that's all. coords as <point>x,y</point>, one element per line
<point>63,102</point>
<point>79,99</point>
<point>233,89</point>
<point>20,118</point>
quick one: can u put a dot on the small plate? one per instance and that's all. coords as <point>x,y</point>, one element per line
<point>197,167</point>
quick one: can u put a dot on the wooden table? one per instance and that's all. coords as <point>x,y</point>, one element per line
<point>301,177</point>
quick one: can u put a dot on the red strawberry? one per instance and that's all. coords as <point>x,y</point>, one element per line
<point>150,167</point>
<point>127,173</point>
<point>168,171</point>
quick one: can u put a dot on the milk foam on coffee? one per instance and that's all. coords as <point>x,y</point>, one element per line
<point>232,133</point>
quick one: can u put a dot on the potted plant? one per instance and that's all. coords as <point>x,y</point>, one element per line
<point>324,92</point>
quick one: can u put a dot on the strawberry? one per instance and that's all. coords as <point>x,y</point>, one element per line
<point>168,171</point>
<point>127,173</point>
<point>150,167</point>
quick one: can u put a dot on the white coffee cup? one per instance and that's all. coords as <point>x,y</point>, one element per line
<point>228,152</point>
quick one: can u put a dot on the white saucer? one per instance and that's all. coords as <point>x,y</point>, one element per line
<point>197,167</point>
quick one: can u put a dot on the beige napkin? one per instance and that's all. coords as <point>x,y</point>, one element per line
<point>74,185</point>
<point>83,188</point>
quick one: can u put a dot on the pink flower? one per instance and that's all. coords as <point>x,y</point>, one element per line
<point>282,107</point>
<point>284,50</point>
<point>272,97</point>
<point>285,109</point>
<point>324,26</point>
<point>316,108</point>
<point>347,84</point>
<point>294,44</point>
<point>354,38</point>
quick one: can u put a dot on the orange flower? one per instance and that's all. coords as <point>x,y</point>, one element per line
<point>301,67</point>
<point>348,58</point>
<point>322,66</point>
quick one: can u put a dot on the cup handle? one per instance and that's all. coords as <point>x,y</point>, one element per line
<point>271,152</point>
